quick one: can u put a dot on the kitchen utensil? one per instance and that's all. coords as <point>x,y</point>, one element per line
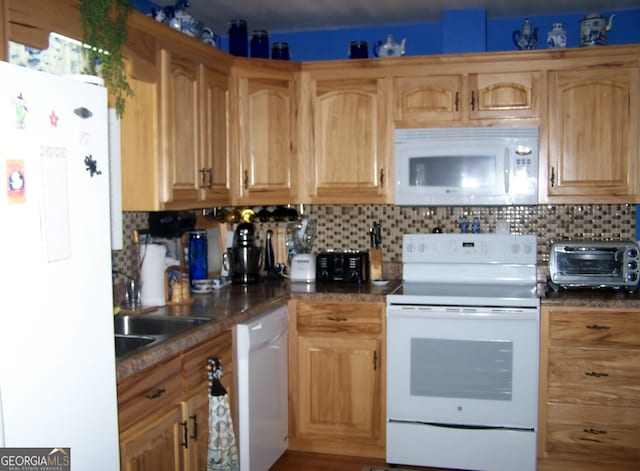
<point>375,252</point>
<point>300,236</point>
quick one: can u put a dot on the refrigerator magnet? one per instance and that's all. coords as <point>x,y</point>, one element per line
<point>15,181</point>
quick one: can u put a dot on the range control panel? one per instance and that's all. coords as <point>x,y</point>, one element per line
<point>469,248</point>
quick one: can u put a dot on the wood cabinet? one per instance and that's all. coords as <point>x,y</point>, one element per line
<point>593,134</point>
<point>337,380</point>
<point>163,411</point>
<point>589,412</point>
<point>174,132</point>
<point>435,98</point>
<point>346,135</point>
<point>264,130</point>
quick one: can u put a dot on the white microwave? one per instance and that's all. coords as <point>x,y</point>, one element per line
<point>466,166</point>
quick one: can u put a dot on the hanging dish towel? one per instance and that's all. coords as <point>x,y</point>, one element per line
<point>223,452</point>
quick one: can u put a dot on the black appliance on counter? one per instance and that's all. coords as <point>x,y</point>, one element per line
<point>351,266</point>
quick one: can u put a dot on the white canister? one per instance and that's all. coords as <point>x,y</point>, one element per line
<point>557,37</point>
<point>152,274</point>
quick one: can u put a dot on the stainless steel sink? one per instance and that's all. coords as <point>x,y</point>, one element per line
<point>134,332</point>
<point>126,344</point>
<point>137,324</point>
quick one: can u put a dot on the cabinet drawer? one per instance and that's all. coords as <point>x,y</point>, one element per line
<point>344,317</point>
<point>594,431</point>
<point>594,376</point>
<point>148,391</point>
<point>610,327</point>
<point>194,362</point>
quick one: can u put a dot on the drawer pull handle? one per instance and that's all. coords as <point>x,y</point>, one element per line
<point>185,434</point>
<point>594,431</point>
<point>336,318</point>
<point>156,394</point>
<point>598,327</point>
<point>595,374</point>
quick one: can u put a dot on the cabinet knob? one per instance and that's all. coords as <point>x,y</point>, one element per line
<point>336,318</point>
<point>594,431</point>
<point>457,101</point>
<point>246,180</point>
<point>473,101</point>
<point>381,177</point>
<point>553,176</point>
<point>202,171</point>
<point>210,183</point>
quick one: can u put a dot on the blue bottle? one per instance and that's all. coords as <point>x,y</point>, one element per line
<point>198,269</point>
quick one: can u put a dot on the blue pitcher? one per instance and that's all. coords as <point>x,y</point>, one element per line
<point>527,38</point>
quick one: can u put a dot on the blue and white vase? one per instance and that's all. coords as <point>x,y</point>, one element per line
<point>557,37</point>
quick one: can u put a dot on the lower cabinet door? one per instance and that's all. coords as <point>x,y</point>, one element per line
<point>154,444</point>
<point>339,388</point>
<point>195,411</point>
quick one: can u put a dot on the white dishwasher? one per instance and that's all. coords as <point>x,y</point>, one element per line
<point>260,366</point>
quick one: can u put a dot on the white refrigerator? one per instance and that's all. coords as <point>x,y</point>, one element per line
<point>57,359</point>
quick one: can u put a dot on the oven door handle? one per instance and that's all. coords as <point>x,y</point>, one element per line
<point>419,312</point>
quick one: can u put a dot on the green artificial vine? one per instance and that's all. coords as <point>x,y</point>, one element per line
<point>104,24</point>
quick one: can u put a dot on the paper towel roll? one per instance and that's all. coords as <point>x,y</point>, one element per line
<point>152,274</point>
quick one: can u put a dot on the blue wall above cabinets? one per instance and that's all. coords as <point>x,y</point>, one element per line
<point>466,31</point>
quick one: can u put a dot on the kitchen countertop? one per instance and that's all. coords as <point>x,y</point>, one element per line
<point>233,304</point>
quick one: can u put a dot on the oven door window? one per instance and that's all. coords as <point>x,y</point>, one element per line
<point>593,263</point>
<point>474,369</point>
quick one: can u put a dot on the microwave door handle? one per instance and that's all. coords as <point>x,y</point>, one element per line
<point>507,170</point>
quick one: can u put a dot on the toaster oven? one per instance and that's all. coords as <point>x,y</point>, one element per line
<point>350,266</point>
<point>595,264</point>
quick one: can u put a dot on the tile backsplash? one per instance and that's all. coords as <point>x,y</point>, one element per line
<point>346,226</point>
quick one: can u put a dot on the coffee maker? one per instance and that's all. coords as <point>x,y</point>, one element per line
<point>244,259</point>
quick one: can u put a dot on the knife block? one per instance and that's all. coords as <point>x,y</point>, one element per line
<point>375,264</point>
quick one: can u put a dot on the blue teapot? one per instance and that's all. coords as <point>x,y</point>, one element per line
<point>593,30</point>
<point>527,38</point>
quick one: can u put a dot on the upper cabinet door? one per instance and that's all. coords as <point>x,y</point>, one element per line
<point>349,141</point>
<point>180,149</point>
<point>266,130</point>
<point>593,146</point>
<point>214,141</point>
<point>504,95</point>
<point>427,99</point>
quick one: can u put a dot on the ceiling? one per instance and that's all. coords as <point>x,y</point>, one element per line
<point>306,15</point>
